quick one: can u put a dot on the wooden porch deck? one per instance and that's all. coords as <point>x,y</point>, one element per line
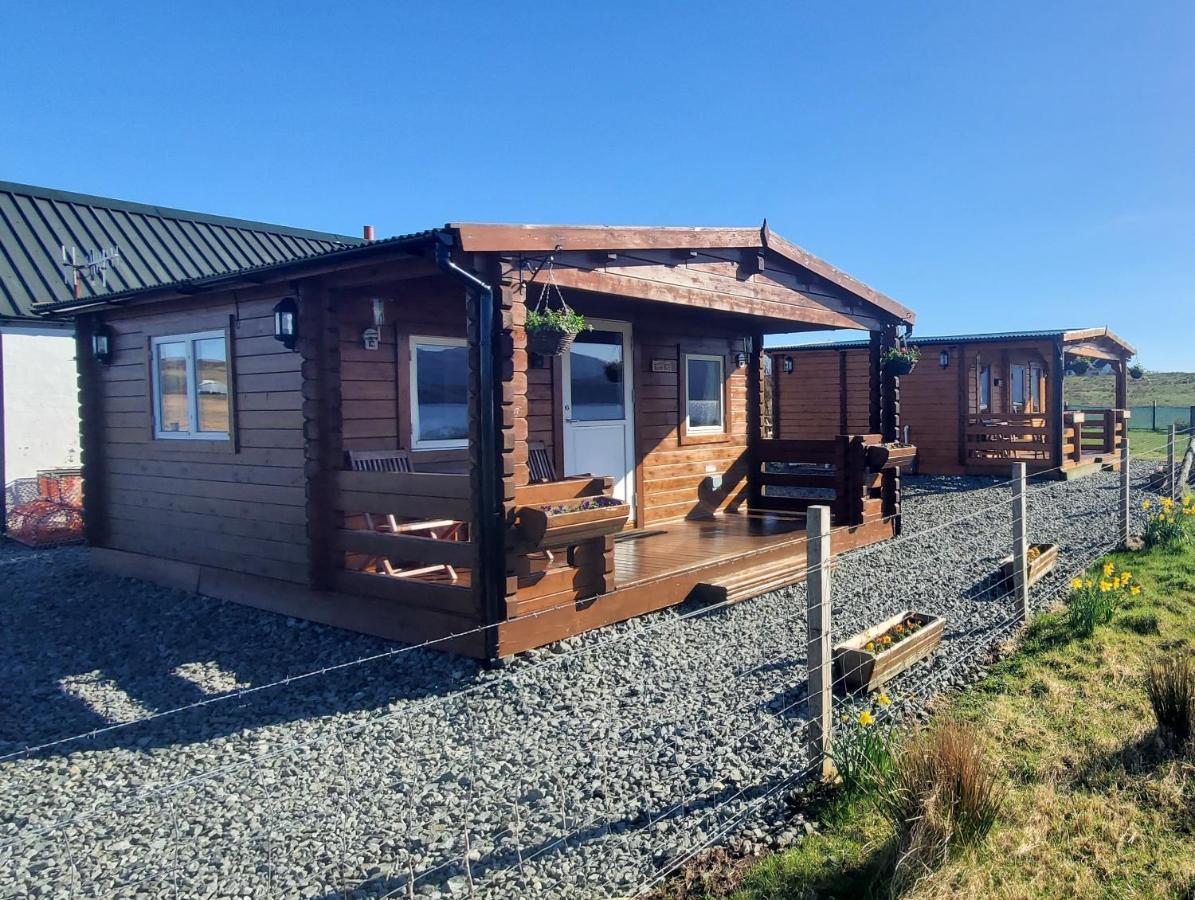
<point>731,557</point>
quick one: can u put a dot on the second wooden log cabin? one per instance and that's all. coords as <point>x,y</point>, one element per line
<point>219,430</point>
<point>973,404</point>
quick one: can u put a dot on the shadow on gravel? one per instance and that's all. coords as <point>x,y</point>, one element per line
<point>80,651</point>
<point>453,879</point>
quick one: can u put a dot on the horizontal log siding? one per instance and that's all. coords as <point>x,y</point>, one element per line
<point>673,476</point>
<point>930,406</point>
<point>807,398</point>
<point>375,384</point>
<point>237,507</point>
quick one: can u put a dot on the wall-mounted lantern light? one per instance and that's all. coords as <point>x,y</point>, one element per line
<point>944,358</point>
<point>101,344</point>
<point>740,359</point>
<point>286,322</point>
<point>788,365</point>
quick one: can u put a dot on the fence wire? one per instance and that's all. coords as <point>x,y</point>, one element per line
<point>598,771</point>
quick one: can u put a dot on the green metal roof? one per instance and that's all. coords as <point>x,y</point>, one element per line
<point>157,245</point>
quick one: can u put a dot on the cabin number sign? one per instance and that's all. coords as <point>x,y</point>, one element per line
<point>663,365</point>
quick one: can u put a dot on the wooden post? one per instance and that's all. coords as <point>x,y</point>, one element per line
<point>323,446</point>
<point>1020,543</point>
<point>1125,513</point>
<point>873,364</point>
<point>818,654</point>
<point>755,382</point>
<point>1171,481</point>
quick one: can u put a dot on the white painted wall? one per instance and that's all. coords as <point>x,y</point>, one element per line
<point>41,403</point>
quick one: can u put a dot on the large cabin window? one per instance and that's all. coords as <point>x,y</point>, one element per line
<point>439,393</point>
<point>704,412</point>
<point>191,386</point>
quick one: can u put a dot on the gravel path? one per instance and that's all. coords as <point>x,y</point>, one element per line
<point>578,770</point>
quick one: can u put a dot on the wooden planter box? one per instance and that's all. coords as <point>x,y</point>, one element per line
<point>564,523</point>
<point>855,669</point>
<point>889,456</point>
<point>1045,561</point>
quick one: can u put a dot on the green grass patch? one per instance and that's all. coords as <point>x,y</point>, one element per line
<point>1096,806</point>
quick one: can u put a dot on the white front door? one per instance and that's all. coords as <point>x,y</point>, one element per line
<point>598,421</point>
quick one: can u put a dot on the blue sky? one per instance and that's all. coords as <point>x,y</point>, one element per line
<point>994,166</point>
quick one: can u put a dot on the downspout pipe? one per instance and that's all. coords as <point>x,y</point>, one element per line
<point>491,550</point>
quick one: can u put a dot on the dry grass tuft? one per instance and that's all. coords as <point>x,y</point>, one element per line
<point>1170,685</point>
<point>942,795</point>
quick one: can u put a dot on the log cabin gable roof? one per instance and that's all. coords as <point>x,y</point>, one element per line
<point>740,271</point>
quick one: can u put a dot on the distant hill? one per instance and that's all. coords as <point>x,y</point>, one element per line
<point>1163,388</point>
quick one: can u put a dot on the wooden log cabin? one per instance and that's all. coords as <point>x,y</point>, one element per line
<point>363,438</point>
<point>973,404</point>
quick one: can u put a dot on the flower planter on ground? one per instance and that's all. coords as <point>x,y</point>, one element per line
<point>889,456</point>
<point>570,521</point>
<point>1042,558</point>
<point>858,669</point>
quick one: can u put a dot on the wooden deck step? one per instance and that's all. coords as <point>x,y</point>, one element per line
<point>750,581</point>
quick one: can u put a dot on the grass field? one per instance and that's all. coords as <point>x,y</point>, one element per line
<point>1095,807</point>
<point>1163,388</point>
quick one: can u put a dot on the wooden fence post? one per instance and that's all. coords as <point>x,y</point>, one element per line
<point>818,654</point>
<point>1020,543</point>
<point>1171,481</point>
<point>1126,517</point>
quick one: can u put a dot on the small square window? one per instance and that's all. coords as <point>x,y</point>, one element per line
<point>439,393</point>
<point>191,386</point>
<point>704,396</point>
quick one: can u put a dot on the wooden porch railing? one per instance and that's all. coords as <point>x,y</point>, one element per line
<point>1091,434</point>
<point>1008,437</point>
<point>408,497</point>
<point>836,469</point>
<point>578,571</point>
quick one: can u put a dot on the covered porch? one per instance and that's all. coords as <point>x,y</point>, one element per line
<point>654,414</point>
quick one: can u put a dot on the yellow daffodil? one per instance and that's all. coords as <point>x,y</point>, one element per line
<point>885,700</point>
<point>871,647</point>
<point>1135,590</point>
<point>1089,583</point>
<point>1077,584</point>
<point>1145,504</point>
<point>866,718</point>
<point>1108,569</point>
<point>1105,586</point>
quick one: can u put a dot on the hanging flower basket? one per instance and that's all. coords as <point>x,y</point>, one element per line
<point>900,360</point>
<point>550,332</point>
<point>1079,365</point>
<point>1136,372</point>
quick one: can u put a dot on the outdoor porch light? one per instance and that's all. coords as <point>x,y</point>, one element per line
<point>101,345</point>
<point>944,358</point>
<point>788,365</point>
<point>286,322</point>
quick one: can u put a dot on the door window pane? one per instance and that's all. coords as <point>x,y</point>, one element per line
<point>703,392</point>
<point>985,388</point>
<point>211,372</point>
<point>172,387</point>
<point>441,393</point>
<point>1035,382</point>
<point>597,377</point>
<point>1018,392</point>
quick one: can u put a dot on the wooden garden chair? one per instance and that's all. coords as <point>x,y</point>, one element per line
<point>440,529</point>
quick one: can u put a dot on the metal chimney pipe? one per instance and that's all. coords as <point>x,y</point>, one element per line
<point>368,232</point>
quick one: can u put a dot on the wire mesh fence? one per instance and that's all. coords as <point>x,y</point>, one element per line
<point>595,770</point>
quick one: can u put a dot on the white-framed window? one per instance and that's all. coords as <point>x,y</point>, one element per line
<point>439,393</point>
<point>191,386</point>
<point>704,398</point>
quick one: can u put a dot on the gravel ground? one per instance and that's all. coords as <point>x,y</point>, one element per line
<point>579,770</point>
